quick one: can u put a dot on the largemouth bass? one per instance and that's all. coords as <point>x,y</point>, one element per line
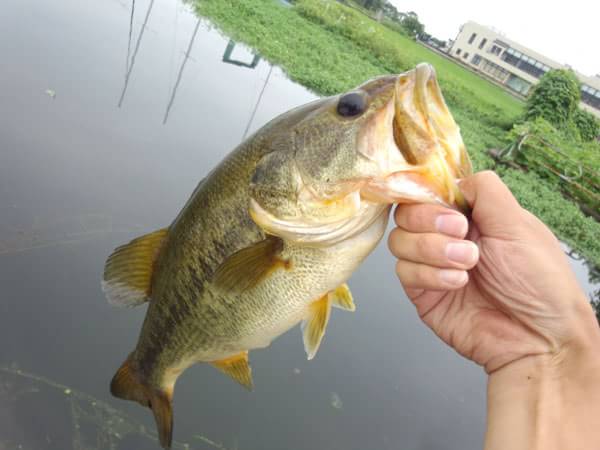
<point>269,238</point>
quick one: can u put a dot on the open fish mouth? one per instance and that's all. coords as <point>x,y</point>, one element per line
<point>417,145</point>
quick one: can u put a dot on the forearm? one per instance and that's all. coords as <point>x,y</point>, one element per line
<point>536,403</point>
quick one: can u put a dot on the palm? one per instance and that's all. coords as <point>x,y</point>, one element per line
<point>491,320</point>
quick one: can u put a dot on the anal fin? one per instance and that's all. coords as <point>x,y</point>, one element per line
<point>128,270</point>
<point>237,367</point>
<point>341,297</point>
<point>313,327</point>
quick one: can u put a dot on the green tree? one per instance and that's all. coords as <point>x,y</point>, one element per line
<point>410,22</point>
<point>587,124</point>
<point>373,5</point>
<point>555,98</point>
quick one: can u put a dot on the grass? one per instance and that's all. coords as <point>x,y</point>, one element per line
<point>330,48</point>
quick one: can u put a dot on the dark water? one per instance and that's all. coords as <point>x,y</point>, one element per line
<point>80,175</point>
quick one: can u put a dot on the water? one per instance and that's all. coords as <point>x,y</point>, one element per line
<point>80,174</point>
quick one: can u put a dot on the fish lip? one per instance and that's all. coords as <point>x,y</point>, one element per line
<point>425,139</point>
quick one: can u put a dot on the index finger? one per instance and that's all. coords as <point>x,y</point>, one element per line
<point>428,218</point>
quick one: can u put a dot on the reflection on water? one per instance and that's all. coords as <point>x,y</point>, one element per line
<point>131,63</point>
<point>79,175</point>
<point>227,58</point>
<point>80,421</point>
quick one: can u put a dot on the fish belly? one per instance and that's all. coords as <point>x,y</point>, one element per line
<point>282,301</point>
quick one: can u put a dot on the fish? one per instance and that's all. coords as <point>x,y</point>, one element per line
<point>270,237</point>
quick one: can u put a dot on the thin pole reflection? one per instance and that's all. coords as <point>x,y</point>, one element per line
<point>257,104</point>
<point>130,34</point>
<point>180,74</point>
<point>137,47</point>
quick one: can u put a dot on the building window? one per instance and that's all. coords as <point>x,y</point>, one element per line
<point>590,96</point>
<point>524,63</point>
<point>476,60</point>
<point>458,51</point>
<point>466,55</point>
<point>495,50</point>
<point>482,43</point>
<point>472,38</point>
<point>494,70</point>
<point>518,84</point>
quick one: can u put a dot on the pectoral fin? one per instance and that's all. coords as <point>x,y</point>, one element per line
<point>247,267</point>
<point>128,270</point>
<point>313,328</point>
<point>238,368</point>
<point>341,297</point>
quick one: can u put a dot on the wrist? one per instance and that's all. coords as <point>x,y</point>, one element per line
<point>546,401</point>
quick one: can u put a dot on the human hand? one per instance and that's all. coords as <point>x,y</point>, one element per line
<point>496,290</point>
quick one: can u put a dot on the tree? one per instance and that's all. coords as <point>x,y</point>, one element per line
<point>555,98</point>
<point>410,22</point>
<point>373,5</point>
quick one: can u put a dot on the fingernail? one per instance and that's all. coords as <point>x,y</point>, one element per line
<point>461,252</point>
<point>452,225</point>
<point>453,277</point>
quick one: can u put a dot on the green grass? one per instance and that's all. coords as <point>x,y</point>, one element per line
<point>330,48</point>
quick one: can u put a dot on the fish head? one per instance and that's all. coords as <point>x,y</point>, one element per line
<point>390,140</point>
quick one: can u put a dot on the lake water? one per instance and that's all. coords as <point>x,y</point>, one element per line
<point>110,113</point>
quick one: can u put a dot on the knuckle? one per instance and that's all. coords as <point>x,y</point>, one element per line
<point>488,176</point>
<point>422,245</point>
<point>422,277</point>
<point>416,218</point>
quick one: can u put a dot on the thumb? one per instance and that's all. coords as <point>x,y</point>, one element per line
<point>495,210</point>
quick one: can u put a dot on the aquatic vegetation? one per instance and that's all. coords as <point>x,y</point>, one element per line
<point>69,418</point>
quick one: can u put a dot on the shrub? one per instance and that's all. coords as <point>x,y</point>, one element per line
<point>555,97</point>
<point>587,124</point>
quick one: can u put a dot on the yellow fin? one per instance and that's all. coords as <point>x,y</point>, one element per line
<point>127,384</point>
<point>237,367</point>
<point>128,271</point>
<point>245,268</point>
<point>341,297</point>
<point>313,327</point>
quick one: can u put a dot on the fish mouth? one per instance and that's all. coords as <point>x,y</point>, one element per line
<point>417,145</point>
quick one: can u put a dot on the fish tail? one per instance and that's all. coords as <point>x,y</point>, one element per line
<point>128,385</point>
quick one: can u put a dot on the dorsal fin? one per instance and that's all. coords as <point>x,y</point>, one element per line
<point>128,271</point>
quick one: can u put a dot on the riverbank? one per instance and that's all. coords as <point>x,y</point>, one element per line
<point>330,48</point>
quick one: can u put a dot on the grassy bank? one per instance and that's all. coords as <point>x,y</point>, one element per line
<point>330,48</point>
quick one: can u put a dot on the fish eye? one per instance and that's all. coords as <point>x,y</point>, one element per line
<point>351,104</point>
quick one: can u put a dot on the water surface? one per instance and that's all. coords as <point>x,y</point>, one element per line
<point>110,113</point>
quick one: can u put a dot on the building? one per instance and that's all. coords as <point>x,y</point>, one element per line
<point>512,65</point>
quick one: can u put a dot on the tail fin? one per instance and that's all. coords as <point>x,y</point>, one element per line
<point>126,384</point>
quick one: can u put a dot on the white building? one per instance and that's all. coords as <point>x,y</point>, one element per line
<point>512,65</point>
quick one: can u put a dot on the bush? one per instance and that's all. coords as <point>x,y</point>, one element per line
<point>587,124</point>
<point>555,98</point>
